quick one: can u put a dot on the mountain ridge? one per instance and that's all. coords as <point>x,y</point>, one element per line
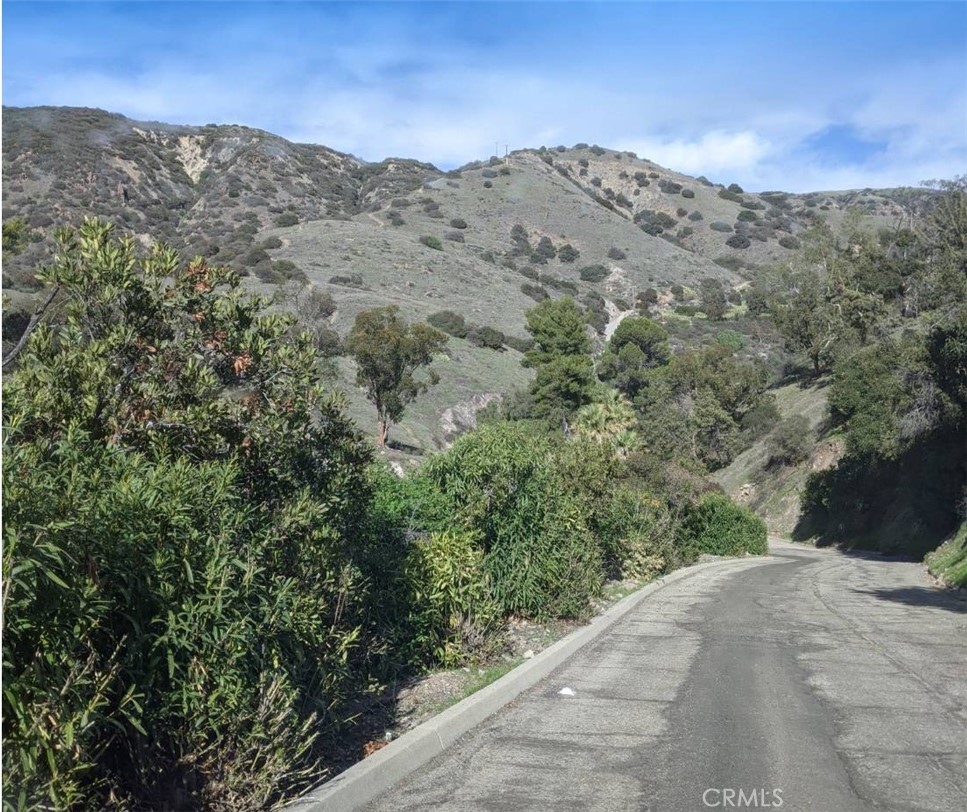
<point>486,241</point>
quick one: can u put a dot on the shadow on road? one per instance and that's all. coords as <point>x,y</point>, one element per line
<point>921,596</point>
<point>875,555</point>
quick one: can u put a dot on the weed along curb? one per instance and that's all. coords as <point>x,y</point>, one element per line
<point>371,777</point>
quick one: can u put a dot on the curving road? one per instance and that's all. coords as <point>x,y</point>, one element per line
<point>808,680</point>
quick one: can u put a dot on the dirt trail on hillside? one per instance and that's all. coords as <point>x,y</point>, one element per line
<point>615,317</point>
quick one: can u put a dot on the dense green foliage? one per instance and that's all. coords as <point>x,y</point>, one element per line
<point>16,237</point>
<point>718,526</point>
<point>594,273</point>
<point>893,317</point>
<point>539,552</point>
<point>181,607</point>
<point>699,406</point>
<point>449,322</point>
<point>452,614</point>
<point>636,346</point>
<point>562,357</point>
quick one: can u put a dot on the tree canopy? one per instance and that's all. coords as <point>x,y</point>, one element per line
<point>637,345</point>
<point>388,353</point>
<point>562,357</point>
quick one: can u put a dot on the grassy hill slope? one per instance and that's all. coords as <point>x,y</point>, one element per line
<point>282,213</point>
<point>774,491</point>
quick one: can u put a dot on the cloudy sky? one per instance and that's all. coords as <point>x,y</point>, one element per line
<point>772,95</point>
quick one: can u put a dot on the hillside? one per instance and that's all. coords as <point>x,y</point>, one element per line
<point>774,491</point>
<point>614,230</point>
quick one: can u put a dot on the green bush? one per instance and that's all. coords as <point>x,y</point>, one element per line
<point>287,219</point>
<point>486,337</point>
<point>636,532</point>
<point>186,551</point>
<point>791,441</point>
<point>453,619</point>
<point>594,273</point>
<point>718,526</point>
<point>688,194</point>
<point>536,292</point>
<point>738,241</point>
<point>458,222</point>
<point>949,561</point>
<point>760,419</point>
<point>568,253</point>
<point>352,281</point>
<point>289,271</point>
<point>255,256</point>
<point>616,253</point>
<point>790,243</point>
<point>718,225</point>
<point>732,339</point>
<point>541,558</point>
<point>449,322</point>
<point>518,343</point>
<point>431,242</point>
<point>559,283</point>
<point>731,263</point>
<point>544,251</point>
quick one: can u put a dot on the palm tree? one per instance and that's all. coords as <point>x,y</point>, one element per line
<point>609,420</point>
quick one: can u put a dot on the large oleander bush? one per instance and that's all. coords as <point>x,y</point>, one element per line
<point>182,608</point>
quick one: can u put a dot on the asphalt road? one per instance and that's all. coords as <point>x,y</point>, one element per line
<point>810,680</point>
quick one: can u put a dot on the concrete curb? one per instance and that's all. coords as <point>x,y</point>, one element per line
<point>373,776</point>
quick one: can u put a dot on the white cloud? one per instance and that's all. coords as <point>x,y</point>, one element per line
<point>717,152</point>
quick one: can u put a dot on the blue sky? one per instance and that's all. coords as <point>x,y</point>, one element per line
<point>772,95</point>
